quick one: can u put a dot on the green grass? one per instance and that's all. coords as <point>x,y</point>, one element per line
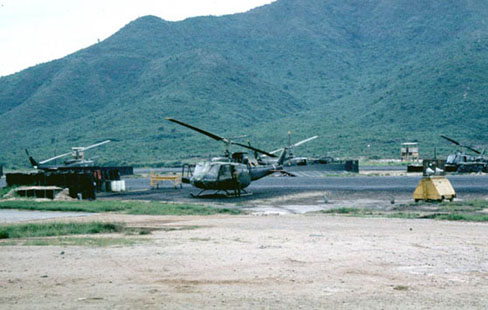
<point>469,217</point>
<point>450,211</point>
<point>4,191</point>
<point>405,215</point>
<point>179,209</point>
<point>59,234</point>
<point>73,241</point>
<point>57,229</point>
<point>128,207</point>
<point>343,210</point>
<point>70,206</point>
<point>468,205</point>
<point>349,211</point>
<point>459,217</point>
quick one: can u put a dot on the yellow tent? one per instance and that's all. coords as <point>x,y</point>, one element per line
<point>434,188</point>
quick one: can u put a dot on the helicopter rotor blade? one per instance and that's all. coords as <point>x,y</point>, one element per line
<point>296,144</point>
<point>53,158</point>
<point>276,151</point>
<point>304,141</point>
<point>461,145</point>
<point>472,150</point>
<point>254,149</point>
<point>94,145</point>
<point>215,137</point>
<point>451,140</point>
<point>209,134</point>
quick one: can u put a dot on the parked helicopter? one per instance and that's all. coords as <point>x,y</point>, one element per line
<point>232,173</point>
<point>77,159</point>
<point>462,162</point>
<point>291,159</point>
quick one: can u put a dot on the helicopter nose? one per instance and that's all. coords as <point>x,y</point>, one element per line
<point>197,183</point>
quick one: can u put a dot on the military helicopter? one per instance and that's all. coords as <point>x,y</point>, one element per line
<point>77,159</point>
<point>462,162</point>
<point>291,159</point>
<point>232,173</point>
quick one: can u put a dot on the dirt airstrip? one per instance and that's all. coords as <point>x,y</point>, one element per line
<point>257,262</point>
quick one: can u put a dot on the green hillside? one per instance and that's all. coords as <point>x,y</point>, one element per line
<point>354,72</point>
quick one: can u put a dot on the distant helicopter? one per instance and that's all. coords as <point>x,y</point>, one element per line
<point>463,162</point>
<point>232,173</point>
<point>77,159</point>
<point>291,159</point>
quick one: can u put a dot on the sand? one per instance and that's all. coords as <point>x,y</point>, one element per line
<point>257,262</point>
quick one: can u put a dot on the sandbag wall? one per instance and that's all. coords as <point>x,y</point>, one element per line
<point>82,182</point>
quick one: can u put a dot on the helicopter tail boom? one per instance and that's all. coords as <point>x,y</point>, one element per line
<point>31,159</point>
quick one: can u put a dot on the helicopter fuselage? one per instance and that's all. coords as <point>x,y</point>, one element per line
<point>460,158</point>
<point>227,175</point>
<point>219,175</point>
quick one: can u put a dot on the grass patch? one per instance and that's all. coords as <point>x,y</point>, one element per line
<point>459,217</point>
<point>469,217</point>
<point>342,210</point>
<point>72,241</point>
<point>69,206</point>
<point>57,229</point>
<point>452,215</point>
<point>180,228</point>
<point>4,191</point>
<point>56,234</point>
<point>178,209</point>
<point>129,207</point>
<point>349,211</point>
<point>468,205</point>
<point>404,215</point>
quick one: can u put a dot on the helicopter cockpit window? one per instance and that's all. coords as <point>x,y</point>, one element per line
<point>451,159</point>
<point>213,171</point>
<point>200,168</point>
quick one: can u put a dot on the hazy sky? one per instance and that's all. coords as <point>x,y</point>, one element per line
<point>36,31</point>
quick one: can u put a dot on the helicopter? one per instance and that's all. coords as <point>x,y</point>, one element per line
<point>77,159</point>
<point>232,173</point>
<point>291,159</point>
<point>462,162</point>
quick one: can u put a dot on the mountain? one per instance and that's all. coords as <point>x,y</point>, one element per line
<point>354,72</point>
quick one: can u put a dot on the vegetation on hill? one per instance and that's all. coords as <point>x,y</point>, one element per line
<point>355,73</point>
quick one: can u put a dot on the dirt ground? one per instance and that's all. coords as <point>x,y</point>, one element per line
<point>257,262</point>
